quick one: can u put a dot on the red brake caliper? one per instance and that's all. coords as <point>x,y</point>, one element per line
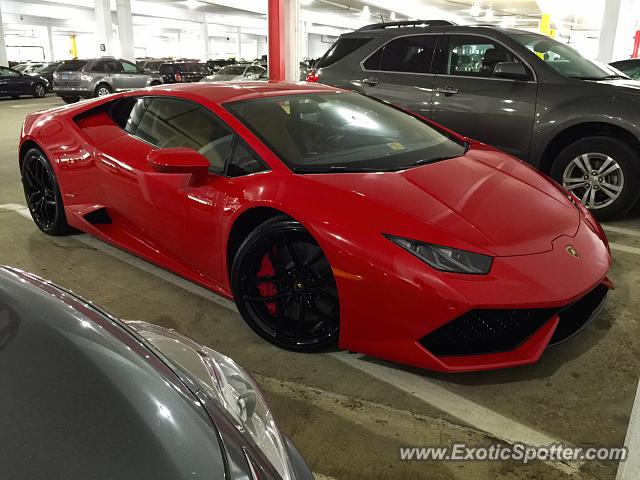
<point>267,289</point>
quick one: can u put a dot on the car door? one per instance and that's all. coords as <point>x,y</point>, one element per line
<point>162,211</point>
<point>135,77</point>
<point>9,81</point>
<point>400,72</point>
<point>119,79</point>
<point>471,100</point>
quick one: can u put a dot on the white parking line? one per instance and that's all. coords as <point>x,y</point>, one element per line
<point>624,231</point>
<point>630,469</point>
<point>482,418</point>
<point>624,248</point>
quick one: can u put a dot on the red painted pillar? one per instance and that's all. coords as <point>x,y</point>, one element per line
<point>636,45</point>
<point>276,40</point>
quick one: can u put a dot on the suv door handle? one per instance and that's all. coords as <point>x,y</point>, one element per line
<point>371,81</point>
<point>447,90</point>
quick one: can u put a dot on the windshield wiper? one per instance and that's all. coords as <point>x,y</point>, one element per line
<point>607,77</point>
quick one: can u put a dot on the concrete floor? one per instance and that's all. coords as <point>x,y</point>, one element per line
<point>350,424</point>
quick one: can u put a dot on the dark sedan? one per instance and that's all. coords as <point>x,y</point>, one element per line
<point>46,71</point>
<point>183,72</point>
<point>85,392</point>
<point>13,84</point>
<point>630,67</point>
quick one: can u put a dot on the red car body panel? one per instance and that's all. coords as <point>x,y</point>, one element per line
<point>389,299</point>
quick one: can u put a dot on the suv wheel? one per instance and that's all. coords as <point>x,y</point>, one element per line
<point>102,90</point>
<point>603,172</point>
<point>70,99</point>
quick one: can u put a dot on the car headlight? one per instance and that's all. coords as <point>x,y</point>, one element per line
<point>228,384</point>
<point>445,259</point>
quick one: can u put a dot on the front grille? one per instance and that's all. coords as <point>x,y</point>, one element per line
<point>485,331</point>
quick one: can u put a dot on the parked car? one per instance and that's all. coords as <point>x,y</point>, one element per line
<point>217,64</point>
<point>525,93</point>
<point>237,72</point>
<point>152,64</point>
<point>13,84</point>
<point>96,77</point>
<point>183,72</point>
<point>46,71</point>
<point>630,67</point>
<point>28,67</point>
<point>328,217</point>
<point>124,400</point>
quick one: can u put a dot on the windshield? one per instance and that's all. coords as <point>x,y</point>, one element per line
<point>49,67</point>
<point>333,132</point>
<point>232,71</point>
<point>564,59</point>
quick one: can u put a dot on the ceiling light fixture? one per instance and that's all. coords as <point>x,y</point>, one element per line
<point>366,13</point>
<point>488,15</point>
<point>306,3</point>
<point>475,9</point>
<point>192,4</point>
<point>392,17</point>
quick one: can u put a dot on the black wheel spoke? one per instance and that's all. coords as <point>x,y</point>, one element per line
<point>287,290</point>
<point>39,191</point>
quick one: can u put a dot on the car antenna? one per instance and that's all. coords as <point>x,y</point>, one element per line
<point>381,17</point>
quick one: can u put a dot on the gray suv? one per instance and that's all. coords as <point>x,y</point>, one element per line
<point>76,79</point>
<point>521,92</point>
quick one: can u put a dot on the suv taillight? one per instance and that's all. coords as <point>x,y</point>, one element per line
<point>178,77</point>
<point>312,76</point>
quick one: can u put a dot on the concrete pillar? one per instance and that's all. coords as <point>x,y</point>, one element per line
<point>104,27</point>
<point>125,29</point>
<point>3,46</point>
<point>239,44</point>
<point>618,29</point>
<point>284,39</point>
<point>204,37</point>
<point>293,36</point>
<point>52,54</point>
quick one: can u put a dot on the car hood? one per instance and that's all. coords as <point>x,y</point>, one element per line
<point>485,198</point>
<point>625,83</point>
<point>78,387</point>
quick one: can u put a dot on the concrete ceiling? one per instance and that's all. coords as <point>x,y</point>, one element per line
<point>69,15</point>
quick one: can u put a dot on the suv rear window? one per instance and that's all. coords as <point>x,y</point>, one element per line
<point>72,65</point>
<point>340,49</point>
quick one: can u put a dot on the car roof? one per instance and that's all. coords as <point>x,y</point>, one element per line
<point>81,393</point>
<point>225,92</point>
<point>376,29</point>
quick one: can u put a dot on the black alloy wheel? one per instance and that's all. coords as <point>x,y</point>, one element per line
<point>284,287</point>
<point>42,194</point>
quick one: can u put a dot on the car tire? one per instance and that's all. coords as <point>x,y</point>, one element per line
<point>42,193</point>
<point>603,172</point>
<point>39,90</point>
<point>15,97</point>
<point>101,90</point>
<point>70,99</point>
<point>284,287</point>
<point>155,84</point>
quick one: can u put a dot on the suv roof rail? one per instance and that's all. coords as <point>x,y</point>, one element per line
<point>407,23</point>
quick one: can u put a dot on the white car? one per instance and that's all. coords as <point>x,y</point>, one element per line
<point>237,73</point>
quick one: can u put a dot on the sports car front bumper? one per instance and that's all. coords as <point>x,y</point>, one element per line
<point>454,323</point>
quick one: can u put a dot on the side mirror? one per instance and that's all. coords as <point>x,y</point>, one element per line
<point>180,160</point>
<point>510,70</point>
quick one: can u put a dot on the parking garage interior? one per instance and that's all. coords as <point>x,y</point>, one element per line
<point>348,413</point>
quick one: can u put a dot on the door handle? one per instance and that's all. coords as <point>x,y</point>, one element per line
<point>447,90</point>
<point>371,81</point>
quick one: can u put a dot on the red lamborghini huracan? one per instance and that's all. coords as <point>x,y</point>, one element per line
<point>327,216</point>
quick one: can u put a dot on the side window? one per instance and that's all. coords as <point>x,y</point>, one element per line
<point>243,161</point>
<point>129,67</point>
<point>99,67</point>
<point>408,54</point>
<point>340,49</point>
<point>170,123</point>
<point>7,72</point>
<point>475,56</point>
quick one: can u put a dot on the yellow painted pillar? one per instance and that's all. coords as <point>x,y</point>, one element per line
<point>545,24</point>
<point>74,47</point>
